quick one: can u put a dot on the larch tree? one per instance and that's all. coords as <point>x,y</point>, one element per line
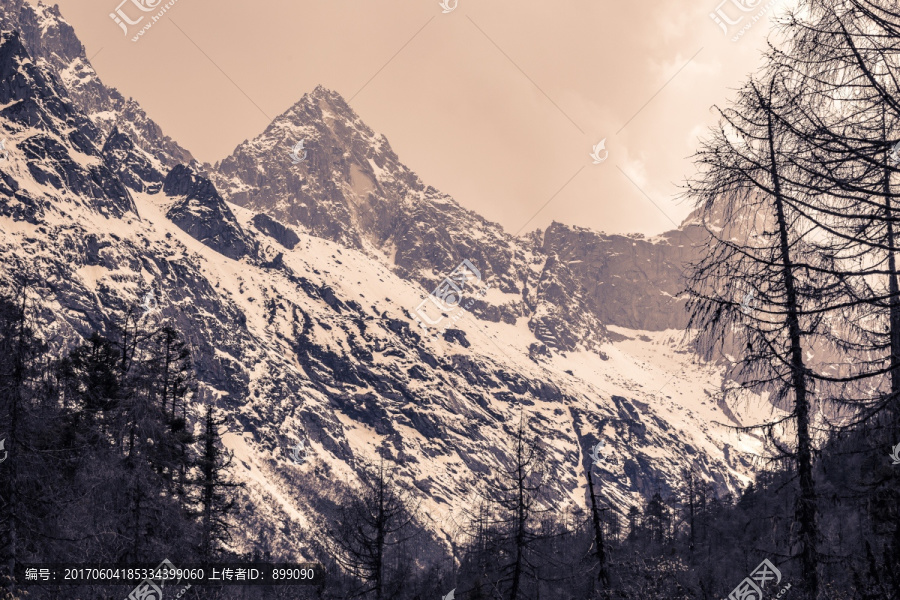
<point>761,286</point>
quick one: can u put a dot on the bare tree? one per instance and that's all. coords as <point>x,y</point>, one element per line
<point>514,496</point>
<point>842,60</point>
<point>372,521</point>
<point>758,250</point>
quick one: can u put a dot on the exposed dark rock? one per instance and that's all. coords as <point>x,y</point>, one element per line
<point>458,336</point>
<point>36,100</point>
<point>201,212</point>
<point>626,281</point>
<point>538,350</point>
<point>48,37</point>
<point>418,372</point>
<point>132,165</point>
<point>302,356</point>
<point>272,228</point>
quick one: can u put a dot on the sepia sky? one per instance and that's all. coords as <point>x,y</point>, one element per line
<point>497,103</point>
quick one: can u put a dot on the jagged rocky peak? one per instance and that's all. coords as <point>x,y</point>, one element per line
<point>319,166</point>
<point>44,31</point>
<point>329,109</point>
<point>318,344</point>
<point>347,185</point>
<point>31,91</point>
<point>46,130</point>
<point>332,99</point>
<point>200,211</point>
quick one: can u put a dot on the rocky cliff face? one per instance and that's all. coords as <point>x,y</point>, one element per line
<point>135,167</point>
<point>274,229</point>
<point>312,338</point>
<point>59,145</point>
<point>627,281</point>
<point>351,188</point>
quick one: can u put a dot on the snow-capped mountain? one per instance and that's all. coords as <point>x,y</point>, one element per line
<point>296,286</point>
<point>352,188</point>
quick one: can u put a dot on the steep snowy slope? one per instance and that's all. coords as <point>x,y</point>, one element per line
<point>352,188</point>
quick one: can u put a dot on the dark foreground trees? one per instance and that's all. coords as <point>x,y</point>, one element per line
<point>99,461</point>
<point>797,190</point>
<point>78,494</point>
<point>514,511</point>
<point>215,500</point>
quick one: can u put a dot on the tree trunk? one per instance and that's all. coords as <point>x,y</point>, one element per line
<point>894,410</point>
<point>603,575</point>
<point>136,523</point>
<point>208,471</point>
<point>520,516</point>
<point>806,513</point>
<point>380,537</point>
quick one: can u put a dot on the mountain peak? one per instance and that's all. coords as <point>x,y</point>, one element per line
<point>318,341</point>
<point>320,92</point>
<point>321,105</point>
<point>47,36</point>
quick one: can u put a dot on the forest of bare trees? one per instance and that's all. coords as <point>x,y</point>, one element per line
<point>796,190</point>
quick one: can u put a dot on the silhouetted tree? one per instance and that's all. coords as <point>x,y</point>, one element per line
<point>372,522</point>
<point>216,487</point>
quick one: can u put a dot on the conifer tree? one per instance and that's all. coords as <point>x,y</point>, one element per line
<point>216,501</point>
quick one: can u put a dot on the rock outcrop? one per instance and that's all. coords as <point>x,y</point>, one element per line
<point>201,212</point>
